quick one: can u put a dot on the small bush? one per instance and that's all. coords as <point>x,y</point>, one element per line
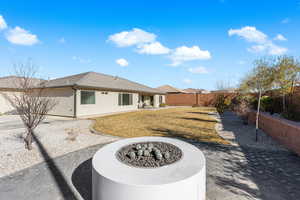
<point>242,107</point>
<point>267,104</point>
<point>220,103</point>
<point>291,113</point>
<point>72,133</point>
<point>162,105</point>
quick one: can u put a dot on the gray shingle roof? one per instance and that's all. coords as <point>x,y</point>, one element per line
<point>102,81</point>
<point>13,82</point>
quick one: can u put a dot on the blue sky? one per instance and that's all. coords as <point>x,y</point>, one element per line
<point>181,43</point>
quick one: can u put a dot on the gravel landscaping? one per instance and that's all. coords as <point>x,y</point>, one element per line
<point>57,135</point>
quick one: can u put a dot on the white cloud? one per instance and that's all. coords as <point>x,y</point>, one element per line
<point>122,62</point>
<point>285,21</point>
<point>257,48</point>
<point>184,53</point>
<point>146,43</point>
<point>276,50</point>
<point>62,40</point>
<point>3,24</point>
<point>262,43</point>
<point>241,62</point>
<point>269,48</point>
<point>249,33</point>
<point>154,48</point>
<point>81,60</point>
<point>187,81</point>
<point>198,70</point>
<point>21,37</point>
<point>280,37</point>
<point>134,37</point>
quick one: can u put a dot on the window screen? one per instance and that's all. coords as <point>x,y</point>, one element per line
<point>88,97</point>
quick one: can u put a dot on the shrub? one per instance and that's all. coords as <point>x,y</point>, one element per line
<point>291,113</point>
<point>162,105</point>
<point>242,107</point>
<point>220,103</point>
<point>228,102</point>
<point>267,104</point>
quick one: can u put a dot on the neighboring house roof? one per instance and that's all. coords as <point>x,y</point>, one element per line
<point>193,90</point>
<point>101,81</point>
<point>169,89</point>
<point>224,91</point>
<point>12,82</point>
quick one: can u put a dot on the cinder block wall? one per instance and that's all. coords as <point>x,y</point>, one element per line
<point>181,99</point>
<point>194,99</point>
<point>284,131</point>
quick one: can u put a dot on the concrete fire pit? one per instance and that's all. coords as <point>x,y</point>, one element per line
<point>149,168</point>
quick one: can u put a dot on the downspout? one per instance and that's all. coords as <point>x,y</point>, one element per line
<point>75,102</point>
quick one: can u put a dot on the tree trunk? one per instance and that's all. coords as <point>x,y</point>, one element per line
<point>257,117</point>
<point>28,140</point>
<point>283,103</point>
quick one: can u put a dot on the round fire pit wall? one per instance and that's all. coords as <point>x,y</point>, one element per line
<point>149,168</point>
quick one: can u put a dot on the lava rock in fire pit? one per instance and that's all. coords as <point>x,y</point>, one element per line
<point>132,155</point>
<point>138,147</point>
<point>149,154</point>
<point>146,153</point>
<point>158,155</point>
<point>140,152</point>
<point>167,155</point>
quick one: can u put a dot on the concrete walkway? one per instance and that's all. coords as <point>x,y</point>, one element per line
<point>234,172</point>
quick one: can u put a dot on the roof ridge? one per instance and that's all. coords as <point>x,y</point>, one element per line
<point>10,76</point>
<point>84,73</point>
<point>118,77</point>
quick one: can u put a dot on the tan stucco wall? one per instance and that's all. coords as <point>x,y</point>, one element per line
<point>65,101</point>
<point>105,103</point>
<point>63,96</point>
<point>5,106</point>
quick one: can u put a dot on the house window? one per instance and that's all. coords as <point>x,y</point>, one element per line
<point>88,97</point>
<point>125,99</point>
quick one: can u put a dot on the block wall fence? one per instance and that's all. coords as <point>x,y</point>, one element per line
<point>193,99</point>
<point>284,131</point>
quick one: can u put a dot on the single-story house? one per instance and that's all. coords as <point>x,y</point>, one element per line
<point>91,93</point>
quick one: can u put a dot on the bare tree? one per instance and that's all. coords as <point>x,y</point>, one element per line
<point>259,80</point>
<point>223,85</point>
<point>30,101</point>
